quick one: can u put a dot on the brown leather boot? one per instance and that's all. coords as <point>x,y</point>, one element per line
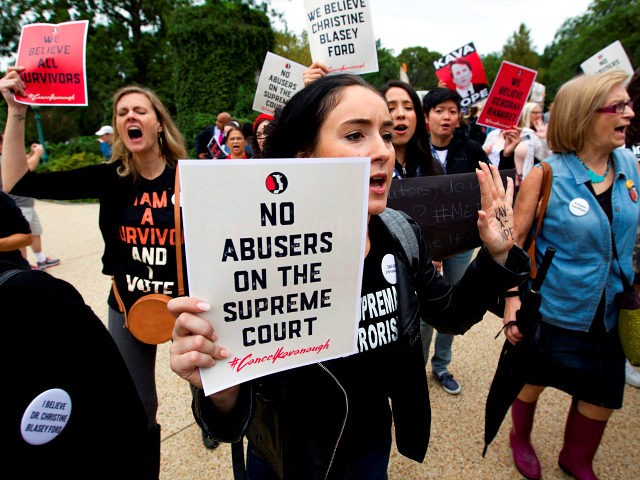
<point>582,437</point>
<point>524,456</point>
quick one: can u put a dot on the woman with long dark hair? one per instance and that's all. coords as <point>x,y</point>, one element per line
<point>333,419</point>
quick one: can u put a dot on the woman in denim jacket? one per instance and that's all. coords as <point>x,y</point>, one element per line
<point>591,220</point>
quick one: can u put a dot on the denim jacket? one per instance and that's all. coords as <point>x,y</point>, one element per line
<point>575,224</point>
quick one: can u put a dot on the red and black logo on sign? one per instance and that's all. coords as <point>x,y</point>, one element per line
<point>276,182</point>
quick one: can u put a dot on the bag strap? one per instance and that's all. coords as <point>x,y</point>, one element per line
<point>8,274</point>
<point>543,201</point>
<point>178,222</point>
<point>178,231</point>
<point>401,230</point>
<point>123,310</point>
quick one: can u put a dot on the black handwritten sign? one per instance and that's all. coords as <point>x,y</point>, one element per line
<point>446,208</point>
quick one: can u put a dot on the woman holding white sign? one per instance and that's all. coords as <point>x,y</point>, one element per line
<point>333,419</point>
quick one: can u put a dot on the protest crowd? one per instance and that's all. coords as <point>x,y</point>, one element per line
<point>410,386</point>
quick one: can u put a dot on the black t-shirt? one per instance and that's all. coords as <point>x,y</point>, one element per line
<point>136,221</point>
<point>365,375</point>
<point>146,239</point>
<point>11,222</point>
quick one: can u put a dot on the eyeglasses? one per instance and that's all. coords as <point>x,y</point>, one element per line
<point>536,112</point>
<point>260,136</point>
<point>616,107</point>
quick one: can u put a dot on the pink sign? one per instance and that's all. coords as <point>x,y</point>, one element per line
<point>54,59</point>
<point>508,95</point>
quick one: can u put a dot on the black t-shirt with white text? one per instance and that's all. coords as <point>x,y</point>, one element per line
<point>365,374</point>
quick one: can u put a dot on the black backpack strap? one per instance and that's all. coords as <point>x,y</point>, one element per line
<point>237,460</point>
<point>8,274</point>
<point>402,232</point>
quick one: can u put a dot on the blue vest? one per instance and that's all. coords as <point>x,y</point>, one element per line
<point>575,224</point>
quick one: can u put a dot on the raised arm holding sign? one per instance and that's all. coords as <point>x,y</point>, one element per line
<point>53,57</point>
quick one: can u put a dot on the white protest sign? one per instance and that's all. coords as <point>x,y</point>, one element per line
<point>341,35</point>
<point>280,79</point>
<point>538,92</point>
<point>278,255</point>
<point>609,57</point>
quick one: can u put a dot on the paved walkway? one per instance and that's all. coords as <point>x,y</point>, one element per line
<point>71,234</point>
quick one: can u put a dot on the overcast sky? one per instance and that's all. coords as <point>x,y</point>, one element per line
<point>445,25</point>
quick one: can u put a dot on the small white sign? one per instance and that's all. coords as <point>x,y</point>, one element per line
<point>341,35</point>
<point>280,79</point>
<point>276,247</point>
<point>608,58</point>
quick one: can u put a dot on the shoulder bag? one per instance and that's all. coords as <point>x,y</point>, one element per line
<point>628,303</point>
<point>529,245</point>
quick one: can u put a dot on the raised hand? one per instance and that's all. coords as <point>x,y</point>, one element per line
<point>314,72</point>
<point>511,140</point>
<point>540,128</point>
<point>495,219</point>
<point>194,346</point>
<point>11,84</point>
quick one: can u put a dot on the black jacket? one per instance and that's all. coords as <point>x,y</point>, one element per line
<point>297,416</point>
<point>465,154</point>
<point>69,348</point>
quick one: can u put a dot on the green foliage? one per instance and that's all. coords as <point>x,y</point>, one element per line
<point>76,160</point>
<point>582,37</point>
<point>518,49</point>
<point>420,69</point>
<point>491,64</point>
<point>292,47</point>
<point>388,67</point>
<point>89,145</point>
<point>218,51</point>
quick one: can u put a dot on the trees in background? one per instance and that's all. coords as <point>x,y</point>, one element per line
<point>582,37</point>
<point>519,48</point>
<point>217,51</point>
<point>420,69</point>
<point>203,56</point>
<point>126,43</point>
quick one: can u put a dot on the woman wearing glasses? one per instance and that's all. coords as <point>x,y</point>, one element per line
<point>591,221</point>
<point>261,123</point>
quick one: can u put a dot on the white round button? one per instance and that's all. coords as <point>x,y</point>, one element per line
<point>46,416</point>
